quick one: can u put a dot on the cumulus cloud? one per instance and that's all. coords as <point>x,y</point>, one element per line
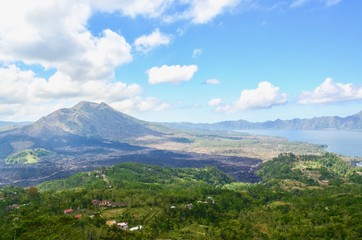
<point>264,96</point>
<point>171,74</point>
<point>196,52</point>
<point>212,81</point>
<point>33,96</point>
<point>214,102</point>
<point>147,43</point>
<point>327,3</point>
<point>330,91</point>
<point>54,34</point>
<point>15,84</point>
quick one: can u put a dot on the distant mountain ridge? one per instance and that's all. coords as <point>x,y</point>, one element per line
<point>6,123</point>
<point>5,126</point>
<point>353,122</point>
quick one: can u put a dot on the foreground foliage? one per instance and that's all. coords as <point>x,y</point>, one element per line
<point>300,197</point>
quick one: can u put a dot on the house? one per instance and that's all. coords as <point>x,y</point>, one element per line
<point>15,206</point>
<point>119,204</point>
<point>173,207</point>
<point>110,223</point>
<point>189,206</point>
<point>78,216</point>
<point>67,211</point>
<point>123,225</point>
<point>139,227</point>
<point>104,203</point>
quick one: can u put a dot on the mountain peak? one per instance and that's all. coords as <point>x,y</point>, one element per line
<point>90,119</point>
<point>84,105</point>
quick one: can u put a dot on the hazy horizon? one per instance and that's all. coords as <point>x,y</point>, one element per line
<point>195,122</point>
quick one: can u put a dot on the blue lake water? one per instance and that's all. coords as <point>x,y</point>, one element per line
<point>347,143</point>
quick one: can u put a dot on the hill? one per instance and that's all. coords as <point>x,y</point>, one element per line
<point>28,156</point>
<point>353,122</point>
<point>128,174</point>
<point>299,197</point>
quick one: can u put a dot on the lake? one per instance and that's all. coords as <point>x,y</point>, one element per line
<point>347,143</point>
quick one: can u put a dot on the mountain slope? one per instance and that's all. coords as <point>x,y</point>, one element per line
<point>84,125</point>
<point>318,123</point>
<point>89,120</point>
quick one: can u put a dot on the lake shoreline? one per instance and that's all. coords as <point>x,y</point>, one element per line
<point>343,142</point>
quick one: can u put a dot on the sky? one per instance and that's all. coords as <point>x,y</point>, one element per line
<point>186,60</point>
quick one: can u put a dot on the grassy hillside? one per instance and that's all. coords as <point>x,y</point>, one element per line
<point>309,170</point>
<point>132,175</point>
<point>27,156</point>
<point>300,197</point>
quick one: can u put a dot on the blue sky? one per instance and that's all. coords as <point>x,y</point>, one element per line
<point>187,60</point>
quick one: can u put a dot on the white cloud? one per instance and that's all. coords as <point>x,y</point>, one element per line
<point>15,84</point>
<point>152,103</point>
<point>212,81</point>
<point>147,43</point>
<point>214,102</point>
<point>139,104</point>
<point>32,96</point>
<point>197,52</point>
<point>330,91</point>
<point>332,2</point>
<point>203,11</point>
<point>54,34</point>
<point>327,3</point>
<point>134,8</point>
<point>171,74</point>
<point>264,96</point>
<point>299,3</point>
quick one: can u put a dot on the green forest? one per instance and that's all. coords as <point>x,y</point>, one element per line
<point>299,197</point>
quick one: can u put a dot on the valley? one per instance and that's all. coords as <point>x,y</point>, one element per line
<point>91,135</point>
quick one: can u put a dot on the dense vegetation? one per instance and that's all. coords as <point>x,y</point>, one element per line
<point>27,156</point>
<point>300,197</point>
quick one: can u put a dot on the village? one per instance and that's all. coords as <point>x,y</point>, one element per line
<point>103,205</point>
